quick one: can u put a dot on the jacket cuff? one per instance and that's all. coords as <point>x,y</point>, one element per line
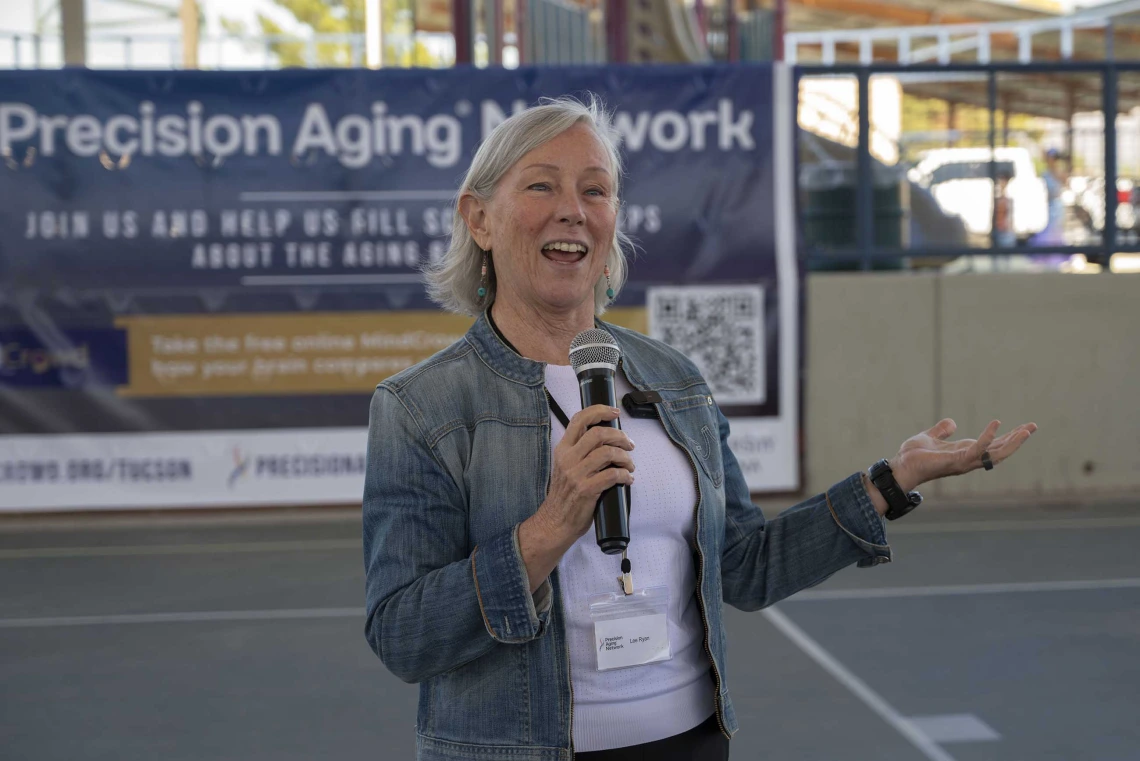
<point>511,614</point>
<point>853,512</point>
<point>543,597</point>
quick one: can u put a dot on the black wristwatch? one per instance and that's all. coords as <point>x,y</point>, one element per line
<point>899,503</point>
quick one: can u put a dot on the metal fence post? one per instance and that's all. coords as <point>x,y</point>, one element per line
<point>535,41</point>
<point>495,32</point>
<point>864,219</point>
<point>992,97</point>
<point>1110,199</point>
<point>617,31</point>
<point>461,29</point>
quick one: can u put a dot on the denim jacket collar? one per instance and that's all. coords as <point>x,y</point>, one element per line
<point>501,358</point>
<point>504,360</point>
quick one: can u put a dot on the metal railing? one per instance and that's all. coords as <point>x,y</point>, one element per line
<point>756,30</point>
<point>559,32</point>
<point>1111,224</point>
<point>919,44</point>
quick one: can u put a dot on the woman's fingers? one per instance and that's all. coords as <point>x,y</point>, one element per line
<point>581,422</point>
<point>931,456</point>
<point>942,430</point>
<point>608,477</point>
<point>605,456</point>
<point>1005,446</point>
<point>601,436</point>
<point>587,451</point>
<point>984,441</point>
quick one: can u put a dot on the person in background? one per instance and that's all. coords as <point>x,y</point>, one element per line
<point>1004,235</point>
<point>1055,179</point>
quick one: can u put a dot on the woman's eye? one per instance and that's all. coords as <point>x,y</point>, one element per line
<point>596,191</point>
<point>539,186</point>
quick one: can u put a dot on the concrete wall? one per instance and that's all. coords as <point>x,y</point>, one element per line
<point>888,355</point>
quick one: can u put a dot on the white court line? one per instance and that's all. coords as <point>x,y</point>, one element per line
<point>350,195</point>
<point>1045,524</point>
<point>308,545</point>
<point>857,686</point>
<point>181,618</point>
<point>964,589</point>
<point>91,522</point>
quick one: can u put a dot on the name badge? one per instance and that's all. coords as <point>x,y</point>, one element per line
<point>631,630</point>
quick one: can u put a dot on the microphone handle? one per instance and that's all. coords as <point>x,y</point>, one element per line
<point>611,515</point>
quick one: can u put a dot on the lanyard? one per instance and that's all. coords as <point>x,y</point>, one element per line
<point>556,409</point>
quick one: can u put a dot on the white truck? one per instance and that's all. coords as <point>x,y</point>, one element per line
<point>959,179</point>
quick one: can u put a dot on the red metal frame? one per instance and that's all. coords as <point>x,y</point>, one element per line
<point>779,22</point>
<point>461,30</point>
<point>617,32</point>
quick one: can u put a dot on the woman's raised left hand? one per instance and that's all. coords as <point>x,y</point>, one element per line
<point>931,455</point>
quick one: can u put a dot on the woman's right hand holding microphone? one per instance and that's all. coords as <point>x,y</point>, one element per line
<point>589,459</point>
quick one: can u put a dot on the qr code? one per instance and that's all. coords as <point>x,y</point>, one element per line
<point>721,329</point>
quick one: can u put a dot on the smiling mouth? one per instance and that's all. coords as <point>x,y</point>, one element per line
<point>565,252</point>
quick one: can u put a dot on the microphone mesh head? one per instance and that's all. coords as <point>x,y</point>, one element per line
<point>594,347</point>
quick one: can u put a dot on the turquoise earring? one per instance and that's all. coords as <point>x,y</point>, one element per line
<point>609,285</point>
<point>483,279</point>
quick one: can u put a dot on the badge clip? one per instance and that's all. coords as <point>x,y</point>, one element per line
<point>626,578</point>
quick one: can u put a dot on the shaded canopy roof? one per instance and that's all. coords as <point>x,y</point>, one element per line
<point>1048,95</point>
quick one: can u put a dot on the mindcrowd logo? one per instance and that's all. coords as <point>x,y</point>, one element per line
<point>241,467</point>
<point>600,643</point>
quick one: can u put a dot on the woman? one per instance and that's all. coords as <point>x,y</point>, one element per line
<point>479,499</point>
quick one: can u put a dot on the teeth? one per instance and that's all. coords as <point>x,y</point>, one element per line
<point>568,247</point>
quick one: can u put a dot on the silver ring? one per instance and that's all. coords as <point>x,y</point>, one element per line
<point>987,463</point>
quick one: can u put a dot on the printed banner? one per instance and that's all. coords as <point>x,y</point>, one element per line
<point>313,353</point>
<point>193,252</point>
<point>111,471</point>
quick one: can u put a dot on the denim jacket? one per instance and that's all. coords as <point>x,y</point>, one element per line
<point>459,455</point>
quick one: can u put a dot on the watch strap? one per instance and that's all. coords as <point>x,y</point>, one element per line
<point>899,502</point>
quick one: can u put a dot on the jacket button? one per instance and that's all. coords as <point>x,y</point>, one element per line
<point>710,401</point>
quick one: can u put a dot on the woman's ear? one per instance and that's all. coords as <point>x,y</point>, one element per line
<point>474,213</point>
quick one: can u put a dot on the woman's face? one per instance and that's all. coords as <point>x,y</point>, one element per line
<point>550,223</point>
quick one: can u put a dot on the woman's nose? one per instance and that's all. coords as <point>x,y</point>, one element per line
<point>570,209</point>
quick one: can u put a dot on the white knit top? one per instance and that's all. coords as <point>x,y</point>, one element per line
<point>621,707</point>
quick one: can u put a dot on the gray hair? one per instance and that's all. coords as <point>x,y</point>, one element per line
<point>453,281</point>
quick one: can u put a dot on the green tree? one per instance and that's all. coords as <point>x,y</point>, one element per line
<point>932,115</point>
<point>340,17</point>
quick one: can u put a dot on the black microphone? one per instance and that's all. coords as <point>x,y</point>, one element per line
<point>594,355</point>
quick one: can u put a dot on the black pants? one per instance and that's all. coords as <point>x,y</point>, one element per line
<point>703,743</point>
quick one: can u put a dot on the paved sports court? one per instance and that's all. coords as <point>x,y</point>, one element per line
<point>998,633</point>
